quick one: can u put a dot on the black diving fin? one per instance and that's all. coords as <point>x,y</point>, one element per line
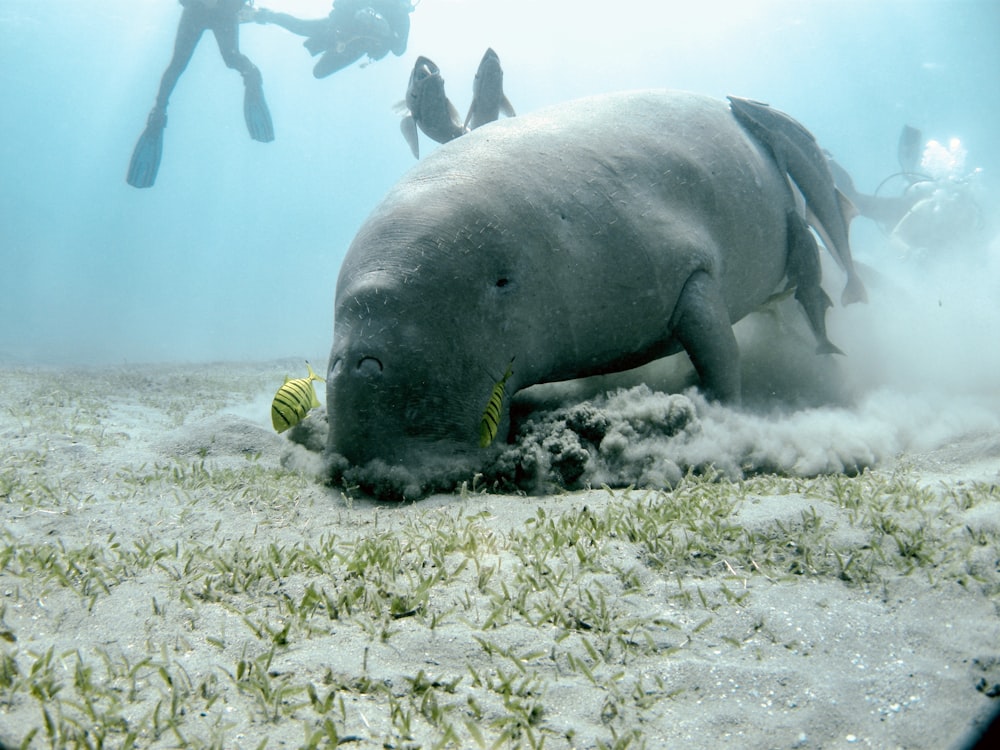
<point>255,110</point>
<point>148,149</point>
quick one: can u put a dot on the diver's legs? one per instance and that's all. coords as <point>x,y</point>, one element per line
<point>189,32</point>
<point>227,36</point>
<point>145,162</point>
<point>335,60</point>
<point>255,111</point>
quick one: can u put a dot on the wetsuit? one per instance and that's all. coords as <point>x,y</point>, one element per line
<point>199,16</point>
<point>354,28</point>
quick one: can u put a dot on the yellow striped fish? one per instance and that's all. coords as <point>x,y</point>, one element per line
<point>490,422</point>
<point>294,400</point>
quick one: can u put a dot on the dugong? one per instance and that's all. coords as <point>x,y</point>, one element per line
<point>585,238</point>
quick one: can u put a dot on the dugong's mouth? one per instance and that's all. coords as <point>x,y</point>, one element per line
<point>422,473</point>
<point>399,429</point>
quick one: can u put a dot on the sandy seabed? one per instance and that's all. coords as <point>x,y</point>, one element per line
<point>174,574</point>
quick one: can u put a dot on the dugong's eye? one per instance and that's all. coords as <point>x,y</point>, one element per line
<point>503,284</point>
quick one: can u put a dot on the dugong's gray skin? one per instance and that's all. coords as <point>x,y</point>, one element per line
<point>586,238</point>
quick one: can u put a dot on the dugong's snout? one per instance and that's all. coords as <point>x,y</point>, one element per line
<point>366,365</point>
<point>354,394</point>
<point>400,410</point>
<point>369,366</point>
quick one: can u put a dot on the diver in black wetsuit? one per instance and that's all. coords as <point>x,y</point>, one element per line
<point>937,211</point>
<point>222,18</point>
<point>354,28</point>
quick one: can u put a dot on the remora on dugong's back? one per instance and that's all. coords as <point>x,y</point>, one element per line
<point>585,238</point>
<point>798,154</point>
<point>429,108</point>
<point>488,98</point>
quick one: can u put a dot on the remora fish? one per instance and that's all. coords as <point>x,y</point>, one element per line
<point>490,422</point>
<point>429,107</point>
<point>294,400</point>
<point>796,152</point>
<point>488,100</point>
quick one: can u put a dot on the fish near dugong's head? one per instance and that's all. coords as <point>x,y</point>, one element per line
<point>422,337</point>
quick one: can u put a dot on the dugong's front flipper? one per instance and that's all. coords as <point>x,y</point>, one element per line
<point>701,324</point>
<point>804,274</point>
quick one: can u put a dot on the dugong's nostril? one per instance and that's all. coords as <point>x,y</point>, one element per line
<point>369,366</point>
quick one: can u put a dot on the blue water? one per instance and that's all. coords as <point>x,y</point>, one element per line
<point>234,253</point>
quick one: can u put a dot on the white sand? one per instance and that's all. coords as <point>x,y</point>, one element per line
<point>174,574</point>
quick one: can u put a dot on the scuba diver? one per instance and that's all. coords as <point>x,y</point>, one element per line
<point>353,28</point>
<point>936,210</point>
<point>222,17</point>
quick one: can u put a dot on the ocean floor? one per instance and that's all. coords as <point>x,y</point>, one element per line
<point>175,574</point>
